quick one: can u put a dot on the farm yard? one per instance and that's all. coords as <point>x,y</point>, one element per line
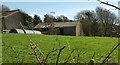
<point>16,48</point>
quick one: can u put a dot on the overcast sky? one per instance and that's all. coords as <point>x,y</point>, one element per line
<point>68,8</point>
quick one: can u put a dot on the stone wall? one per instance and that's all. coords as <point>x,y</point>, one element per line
<point>13,21</point>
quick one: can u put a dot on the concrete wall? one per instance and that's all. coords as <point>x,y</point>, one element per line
<point>79,31</point>
<point>13,21</point>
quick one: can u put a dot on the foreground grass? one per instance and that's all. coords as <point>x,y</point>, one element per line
<point>0,48</point>
<point>16,47</point>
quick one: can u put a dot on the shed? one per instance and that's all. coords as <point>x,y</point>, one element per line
<point>64,28</point>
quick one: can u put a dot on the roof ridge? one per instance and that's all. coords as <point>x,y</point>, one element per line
<point>7,13</point>
<point>12,10</point>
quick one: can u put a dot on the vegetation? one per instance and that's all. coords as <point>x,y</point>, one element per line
<point>37,20</point>
<point>28,20</point>
<point>62,18</point>
<point>102,22</point>
<point>49,20</point>
<point>16,48</point>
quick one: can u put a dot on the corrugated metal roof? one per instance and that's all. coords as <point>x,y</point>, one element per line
<point>19,30</point>
<point>27,31</point>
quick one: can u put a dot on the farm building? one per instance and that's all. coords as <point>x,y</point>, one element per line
<point>22,32</point>
<point>64,28</point>
<point>11,19</point>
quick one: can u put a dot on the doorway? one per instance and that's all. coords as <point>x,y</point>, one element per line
<point>61,31</point>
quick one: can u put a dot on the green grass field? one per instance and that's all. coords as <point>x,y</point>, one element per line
<point>16,47</point>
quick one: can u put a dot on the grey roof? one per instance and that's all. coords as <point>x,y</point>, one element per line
<point>7,13</point>
<point>65,24</point>
<point>57,24</point>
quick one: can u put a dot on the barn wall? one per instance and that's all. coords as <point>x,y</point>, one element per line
<point>13,21</point>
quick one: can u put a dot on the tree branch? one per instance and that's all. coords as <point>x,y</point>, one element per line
<point>69,56</point>
<point>59,54</point>
<point>106,3</point>
<point>33,47</point>
<point>35,53</point>
<point>110,54</point>
<point>50,53</point>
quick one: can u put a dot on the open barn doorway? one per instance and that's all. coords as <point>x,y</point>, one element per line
<point>61,31</point>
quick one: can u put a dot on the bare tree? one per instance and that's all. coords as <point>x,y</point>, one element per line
<point>86,17</point>
<point>106,20</point>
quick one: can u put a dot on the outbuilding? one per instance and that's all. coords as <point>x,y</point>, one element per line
<point>63,28</point>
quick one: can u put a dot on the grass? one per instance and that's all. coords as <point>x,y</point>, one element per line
<point>16,47</point>
<point>0,48</point>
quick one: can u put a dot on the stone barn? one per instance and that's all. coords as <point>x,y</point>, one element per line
<point>65,28</point>
<point>11,19</point>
